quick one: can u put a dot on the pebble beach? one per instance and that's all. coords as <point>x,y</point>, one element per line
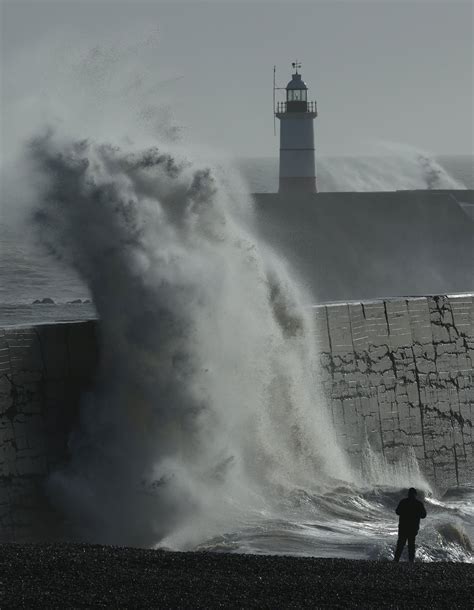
<point>84,576</point>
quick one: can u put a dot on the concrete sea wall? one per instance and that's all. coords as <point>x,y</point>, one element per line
<point>44,371</point>
<point>398,373</point>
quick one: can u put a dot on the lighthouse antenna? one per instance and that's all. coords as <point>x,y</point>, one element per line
<point>274,87</point>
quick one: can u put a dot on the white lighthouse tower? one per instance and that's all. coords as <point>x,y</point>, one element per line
<point>296,114</point>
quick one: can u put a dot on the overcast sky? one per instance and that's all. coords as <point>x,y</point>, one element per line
<point>380,71</point>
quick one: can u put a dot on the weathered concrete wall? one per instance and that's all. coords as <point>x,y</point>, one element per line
<point>43,372</point>
<point>398,372</point>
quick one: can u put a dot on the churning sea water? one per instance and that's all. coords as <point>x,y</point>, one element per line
<point>354,524</point>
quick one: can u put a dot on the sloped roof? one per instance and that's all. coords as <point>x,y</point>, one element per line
<point>296,82</point>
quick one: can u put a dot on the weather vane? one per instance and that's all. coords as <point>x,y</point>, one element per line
<point>296,65</point>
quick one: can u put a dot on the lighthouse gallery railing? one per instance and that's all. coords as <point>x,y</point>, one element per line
<point>281,108</point>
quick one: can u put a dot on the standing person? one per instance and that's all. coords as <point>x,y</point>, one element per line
<point>410,511</point>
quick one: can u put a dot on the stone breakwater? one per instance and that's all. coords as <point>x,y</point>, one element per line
<point>398,373</point>
<point>44,371</point>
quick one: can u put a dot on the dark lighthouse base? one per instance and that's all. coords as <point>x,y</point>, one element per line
<point>297,185</point>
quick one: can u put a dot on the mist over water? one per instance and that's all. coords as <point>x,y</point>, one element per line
<point>383,166</point>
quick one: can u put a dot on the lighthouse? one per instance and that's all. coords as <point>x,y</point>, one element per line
<point>296,115</point>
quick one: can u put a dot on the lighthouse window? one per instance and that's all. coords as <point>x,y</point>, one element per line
<point>297,95</point>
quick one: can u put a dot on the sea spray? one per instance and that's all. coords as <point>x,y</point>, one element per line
<point>386,166</point>
<point>404,472</point>
<point>207,397</point>
<point>380,167</point>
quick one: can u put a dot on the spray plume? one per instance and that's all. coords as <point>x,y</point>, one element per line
<point>207,391</point>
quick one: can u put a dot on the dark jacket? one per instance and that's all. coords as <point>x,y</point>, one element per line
<point>411,511</point>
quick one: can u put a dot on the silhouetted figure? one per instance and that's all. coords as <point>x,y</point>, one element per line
<point>410,511</point>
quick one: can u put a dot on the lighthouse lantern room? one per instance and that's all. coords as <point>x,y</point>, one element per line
<point>297,158</point>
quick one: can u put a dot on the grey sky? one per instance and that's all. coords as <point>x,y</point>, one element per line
<point>387,70</point>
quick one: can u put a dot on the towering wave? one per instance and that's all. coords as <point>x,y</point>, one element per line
<point>207,402</point>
